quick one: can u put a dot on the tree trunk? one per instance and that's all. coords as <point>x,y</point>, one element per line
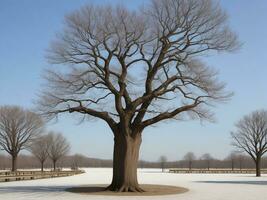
<point>125,162</point>
<point>190,165</point>
<point>14,163</point>
<point>42,166</point>
<point>54,165</point>
<point>258,167</point>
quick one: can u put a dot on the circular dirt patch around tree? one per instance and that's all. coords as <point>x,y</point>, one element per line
<point>150,190</point>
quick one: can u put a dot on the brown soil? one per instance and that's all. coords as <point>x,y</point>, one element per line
<point>150,190</point>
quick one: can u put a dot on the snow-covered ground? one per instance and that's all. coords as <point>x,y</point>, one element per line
<point>201,186</point>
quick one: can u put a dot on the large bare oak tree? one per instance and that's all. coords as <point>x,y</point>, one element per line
<point>18,128</point>
<point>251,136</point>
<point>134,69</point>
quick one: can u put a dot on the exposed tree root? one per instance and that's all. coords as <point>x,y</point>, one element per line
<point>124,188</point>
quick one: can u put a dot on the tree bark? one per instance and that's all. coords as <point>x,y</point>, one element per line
<point>258,167</point>
<point>14,163</point>
<point>125,162</point>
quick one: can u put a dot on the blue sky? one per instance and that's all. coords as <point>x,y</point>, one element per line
<point>27,27</point>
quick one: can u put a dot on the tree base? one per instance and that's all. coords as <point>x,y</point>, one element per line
<point>142,190</point>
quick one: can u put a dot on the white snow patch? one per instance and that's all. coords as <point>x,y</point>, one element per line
<point>201,186</point>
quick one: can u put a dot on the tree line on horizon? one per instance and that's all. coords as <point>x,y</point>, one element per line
<point>234,161</point>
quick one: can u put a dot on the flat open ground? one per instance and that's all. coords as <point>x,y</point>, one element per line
<point>201,186</point>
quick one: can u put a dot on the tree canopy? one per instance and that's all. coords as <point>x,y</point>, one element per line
<point>144,64</point>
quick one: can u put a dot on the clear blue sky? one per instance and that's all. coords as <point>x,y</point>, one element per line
<point>27,27</point>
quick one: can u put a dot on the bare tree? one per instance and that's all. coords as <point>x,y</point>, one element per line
<point>240,158</point>
<point>163,160</point>
<point>58,147</point>
<point>134,69</point>
<point>251,136</point>
<point>77,160</point>
<point>18,128</point>
<point>207,158</point>
<point>39,149</point>
<point>232,157</point>
<point>189,157</point>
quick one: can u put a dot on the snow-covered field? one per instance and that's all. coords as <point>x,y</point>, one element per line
<point>201,186</point>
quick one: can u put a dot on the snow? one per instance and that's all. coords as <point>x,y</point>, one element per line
<point>201,186</point>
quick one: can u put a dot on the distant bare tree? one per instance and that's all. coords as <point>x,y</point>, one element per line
<point>232,157</point>
<point>18,128</point>
<point>251,136</point>
<point>39,149</point>
<point>77,160</point>
<point>240,158</point>
<point>134,69</point>
<point>189,157</point>
<point>207,158</point>
<point>58,147</point>
<point>163,160</point>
